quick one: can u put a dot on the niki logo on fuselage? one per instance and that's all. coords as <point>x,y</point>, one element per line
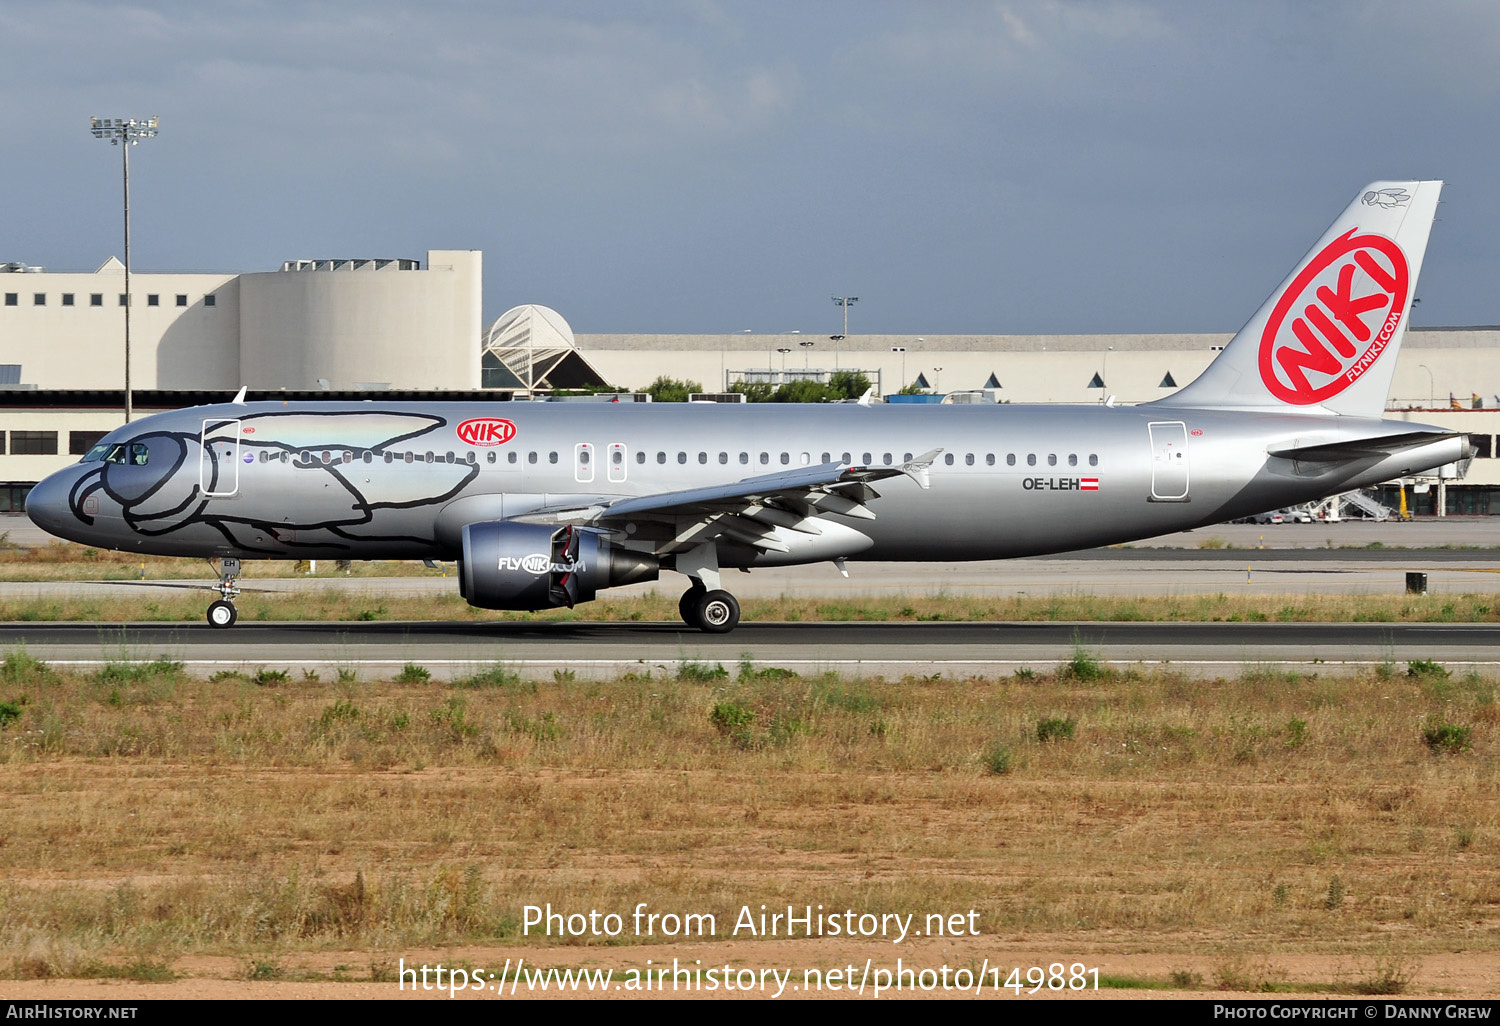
<point>539,563</point>
<point>486,431</point>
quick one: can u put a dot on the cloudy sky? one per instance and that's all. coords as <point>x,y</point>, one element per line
<point>717,165</point>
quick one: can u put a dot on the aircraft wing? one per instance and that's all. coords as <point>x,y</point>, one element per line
<point>750,510</point>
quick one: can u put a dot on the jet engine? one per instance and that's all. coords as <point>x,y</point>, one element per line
<point>536,566</point>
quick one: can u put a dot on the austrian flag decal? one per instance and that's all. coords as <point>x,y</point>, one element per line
<point>486,431</point>
<point>1335,319</point>
<point>1088,484</point>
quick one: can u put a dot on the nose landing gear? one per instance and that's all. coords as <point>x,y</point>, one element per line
<point>222,613</point>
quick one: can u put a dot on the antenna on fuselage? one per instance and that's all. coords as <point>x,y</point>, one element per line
<point>239,397</point>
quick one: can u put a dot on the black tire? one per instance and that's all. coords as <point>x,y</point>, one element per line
<point>718,612</point>
<point>689,604</point>
<point>222,614</point>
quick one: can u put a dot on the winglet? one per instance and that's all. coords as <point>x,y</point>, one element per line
<point>917,468</point>
<point>239,397</point>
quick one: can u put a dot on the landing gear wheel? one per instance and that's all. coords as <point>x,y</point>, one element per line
<point>690,603</point>
<point>718,612</point>
<point>222,614</point>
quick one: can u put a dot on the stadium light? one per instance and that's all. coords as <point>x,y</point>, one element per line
<point>844,302</point>
<point>130,132</point>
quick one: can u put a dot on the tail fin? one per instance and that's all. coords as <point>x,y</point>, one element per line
<point>1326,340</point>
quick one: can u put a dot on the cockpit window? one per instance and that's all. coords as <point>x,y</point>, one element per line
<point>95,454</point>
<point>135,454</point>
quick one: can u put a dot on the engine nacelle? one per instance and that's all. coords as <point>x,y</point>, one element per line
<point>536,566</point>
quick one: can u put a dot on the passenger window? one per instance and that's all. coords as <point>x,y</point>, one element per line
<point>264,456</point>
<point>1052,459</point>
<point>510,456</point>
<point>827,458</point>
<point>1031,459</point>
<point>765,458</point>
<point>785,459</point>
<point>1072,459</point>
<point>744,457</point>
<point>1010,459</point>
<point>661,457</point>
<point>304,456</point>
<point>471,459</point>
<point>531,457</point>
<point>327,457</point>
<point>285,456</point>
<point>969,460</point>
<point>349,456</point>
<point>989,459</point>
<point>489,457</point>
<point>681,457</point>
<point>449,456</point>
<point>888,459</point>
<point>906,458</point>
<point>429,457</point>
<point>408,456</point>
<point>948,459</point>
<point>867,461</point>
<point>388,455</point>
<point>640,456</point>
<point>702,458</point>
<point>552,457</point>
<point>723,457</point>
<point>1093,460</point>
<point>369,457</point>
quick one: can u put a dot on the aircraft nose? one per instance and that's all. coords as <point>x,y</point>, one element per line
<point>47,505</point>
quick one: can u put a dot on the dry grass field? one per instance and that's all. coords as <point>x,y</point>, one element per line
<point>280,835</point>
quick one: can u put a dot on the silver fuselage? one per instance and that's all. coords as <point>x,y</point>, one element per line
<point>373,480</point>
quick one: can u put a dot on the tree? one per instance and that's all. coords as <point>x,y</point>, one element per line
<point>754,391</point>
<point>670,390</point>
<point>848,384</point>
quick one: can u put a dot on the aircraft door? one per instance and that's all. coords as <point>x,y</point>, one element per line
<point>583,462</point>
<point>1169,461</point>
<point>219,460</point>
<point>617,461</point>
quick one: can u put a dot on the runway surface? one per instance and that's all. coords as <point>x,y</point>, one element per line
<point>457,649</point>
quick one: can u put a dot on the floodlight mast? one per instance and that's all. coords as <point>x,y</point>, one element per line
<point>844,302</point>
<point>128,131</point>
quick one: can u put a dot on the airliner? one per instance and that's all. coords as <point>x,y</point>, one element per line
<point>546,504</point>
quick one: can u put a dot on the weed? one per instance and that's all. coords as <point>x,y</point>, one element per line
<point>1335,896</point>
<point>347,675</point>
<point>1024,673</point>
<point>496,675</point>
<point>264,969</point>
<point>998,759</point>
<point>700,673</point>
<point>1054,729</point>
<point>411,673</point>
<point>10,711</point>
<point>1281,895</point>
<point>268,678</point>
<point>564,676</point>
<point>22,668</point>
<point>734,722</point>
<point>1296,733</point>
<point>1448,739</point>
<point>1084,665</point>
<point>1426,669</point>
<point>1186,979</point>
<point>1387,974</point>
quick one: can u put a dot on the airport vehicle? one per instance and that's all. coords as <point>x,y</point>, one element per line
<point>546,504</point>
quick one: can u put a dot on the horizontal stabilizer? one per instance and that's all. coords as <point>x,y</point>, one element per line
<point>1362,448</point>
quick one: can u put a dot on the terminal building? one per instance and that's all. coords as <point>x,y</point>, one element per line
<point>410,328</point>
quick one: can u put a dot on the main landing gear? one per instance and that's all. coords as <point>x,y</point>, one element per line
<point>222,613</point>
<point>714,612</point>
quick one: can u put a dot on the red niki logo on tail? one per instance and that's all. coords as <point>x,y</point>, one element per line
<point>1335,319</point>
<point>486,431</point>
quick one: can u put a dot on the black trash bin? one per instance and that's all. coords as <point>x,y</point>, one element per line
<point>1416,583</point>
